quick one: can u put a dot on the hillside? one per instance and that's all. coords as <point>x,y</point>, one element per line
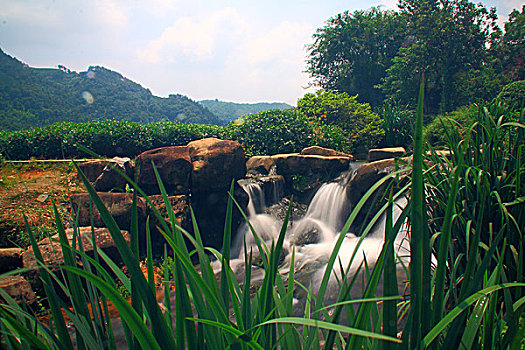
<point>33,97</point>
<point>228,111</point>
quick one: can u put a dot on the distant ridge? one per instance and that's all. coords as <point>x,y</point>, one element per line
<point>34,97</point>
<point>228,111</point>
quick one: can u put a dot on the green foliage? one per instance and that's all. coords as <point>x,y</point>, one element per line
<point>106,138</point>
<point>446,42</point>
<point>475,201</point>
<point>398,123</point>
<point>361,126</point>
<point>513,95</point>
<point>268,132</point>
<point>272,132</point>
<point>353,50</point>
<point>34,97</point>
<point>454,123</point>
<point>467,211</point>
<point>229,111</point>
<point>509,49</point>
<point>380,55</point>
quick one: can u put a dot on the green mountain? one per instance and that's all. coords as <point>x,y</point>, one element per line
<point>228,111</point>
<point>33,97</point>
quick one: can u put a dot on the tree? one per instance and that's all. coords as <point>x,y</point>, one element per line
<point>448,39</point>
<point>512,46</point>
<point>353,50</point>
<point>361,126</point>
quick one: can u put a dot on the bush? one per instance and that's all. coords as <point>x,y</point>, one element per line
<point>272,132</point>
<point>513,95</point>
<point>106,138</point>
<point>360,124</point>
<point>454,123</point>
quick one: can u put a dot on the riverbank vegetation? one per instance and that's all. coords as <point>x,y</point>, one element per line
<point>465,210</point>
<point>465,276</point>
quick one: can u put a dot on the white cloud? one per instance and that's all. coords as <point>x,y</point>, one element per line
<point>111,13</point>
<point>284,42</point>
<point>196,38</point>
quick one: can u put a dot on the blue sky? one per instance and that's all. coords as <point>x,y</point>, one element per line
<point>233,50</point>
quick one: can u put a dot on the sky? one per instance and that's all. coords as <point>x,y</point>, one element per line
<point>233,50</point>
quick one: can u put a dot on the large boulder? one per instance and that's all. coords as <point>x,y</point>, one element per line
<point>92,169</point>
<point>51,249</point>
<point>304,174</point>
<point>118,204</point>
<point>210,212</point>
<point>103,175</point>
<point>10,259</point>
<point>293,163</point>
<point>19,289</point>
<point>174,166</point>
<point>322,151</point>
<point>365,177</point>
<point>215,164</point>
<point>180,207</point>
<point>385,153</point>
<point>259,165</point>
<point>111,179</point>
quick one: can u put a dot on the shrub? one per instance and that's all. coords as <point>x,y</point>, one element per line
<point>106,138</point>
<point>360,124</point>
<point>455,123</point>
<point>272,132</point>
<point>513,95</point>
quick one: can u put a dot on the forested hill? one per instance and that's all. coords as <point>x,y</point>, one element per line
<point>228,111</point>
<point>32,97</point>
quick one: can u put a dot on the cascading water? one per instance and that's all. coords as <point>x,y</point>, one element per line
<point>315,234</point>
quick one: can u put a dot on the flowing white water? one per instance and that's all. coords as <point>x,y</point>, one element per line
<point>314,236</point>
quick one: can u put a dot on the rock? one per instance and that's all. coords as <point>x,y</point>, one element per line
<point>10,259</point>
<point>92,169</point>
<point>441,153</point>
<point>118,204</point>
<point>210,212</point>
<point>273,187</point>
<point>180,206</point>
<point>259,165</point>
<point>19,289</point>
<point>42,198</point>
<point>215,164</point>
<point>304,174</point>
<point>109,179</point>
<point>307,237</point>
<point>174,166</point>
<point>385,153</point>
<point>365,177</point>
<point>52,252</point>
<point>291,164</point>
<point>322,151</point>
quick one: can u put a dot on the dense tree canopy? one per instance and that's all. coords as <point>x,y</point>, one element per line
<point>449,39</point>
<point>381,55</point>
<point>353,50</point>
<point>512,46</point>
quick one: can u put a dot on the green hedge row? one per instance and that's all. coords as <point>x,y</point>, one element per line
<point>269,132</point>
<point>106,138</point>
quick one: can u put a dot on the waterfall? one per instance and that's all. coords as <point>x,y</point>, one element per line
<point>256,202</point>
<point>327,211</point>
<point>314,235</point>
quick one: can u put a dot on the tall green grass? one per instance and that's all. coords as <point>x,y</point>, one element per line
<point>466,220</point>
